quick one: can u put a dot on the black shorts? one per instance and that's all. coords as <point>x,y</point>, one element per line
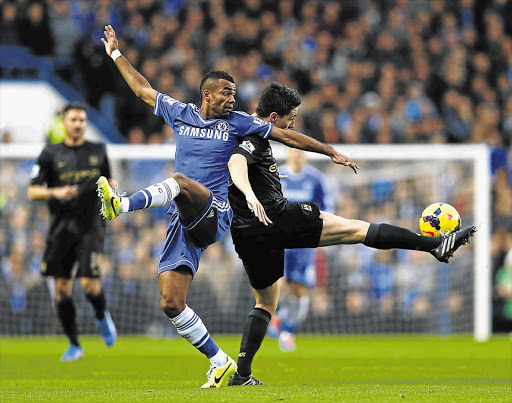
<point>262,248</point>
<point>63,251</point>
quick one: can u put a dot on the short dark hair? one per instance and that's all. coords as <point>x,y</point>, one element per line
<point>279,98</point>
<point>216,75</point>
<point>74,105</point>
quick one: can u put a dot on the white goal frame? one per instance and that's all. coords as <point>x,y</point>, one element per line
<point>478,153</point>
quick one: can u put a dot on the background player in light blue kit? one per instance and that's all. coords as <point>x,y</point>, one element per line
<point>300,182</point>
<point>200,215</point>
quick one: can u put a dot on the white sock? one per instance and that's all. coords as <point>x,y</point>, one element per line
<point>219,359</point>
<point>190,326</point>
<point>155,195</point>
<point>124,206</point>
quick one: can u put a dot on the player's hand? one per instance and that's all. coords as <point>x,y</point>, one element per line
<point>110,43</point>
<point>257,209</point>
<point>339,158</point>
<point>113,183</point>
<point>65,192</point>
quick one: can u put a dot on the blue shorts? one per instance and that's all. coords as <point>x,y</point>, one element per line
<point>184,244</point>
<point>299,266</point>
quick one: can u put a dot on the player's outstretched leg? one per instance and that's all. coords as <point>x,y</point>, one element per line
<point>107,329</point>
<point>72,353</point>
<point>113,204</point>
<point>450,243</point>
<point>110,199</point>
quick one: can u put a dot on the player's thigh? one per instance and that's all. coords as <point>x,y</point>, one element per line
<point>338,230</point>
<point>91,285</point>
<point>89,252</point>
<point>211,224</point>
<point>299,226</point>
<point>193,198</point>
<point>59,257</point>
<point>267,298</point>
<point>179,249</point>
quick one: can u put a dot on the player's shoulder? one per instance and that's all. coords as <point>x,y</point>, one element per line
<point>51,149</point>
<point>312,171</point>
<point>167,100</point>
<point>241,116</point>
<point>93,146</point>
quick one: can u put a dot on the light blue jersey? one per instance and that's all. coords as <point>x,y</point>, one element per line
<point>306,185</point>
<point>203,149</point>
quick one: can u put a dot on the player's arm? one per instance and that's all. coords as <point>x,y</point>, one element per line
<point>239,171</point>
<point>294,139</point>
<point>136,81</point>
<point>39,192</point>
<point>39,176</point>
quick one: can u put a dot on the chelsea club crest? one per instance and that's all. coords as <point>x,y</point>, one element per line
<point>222,126</point>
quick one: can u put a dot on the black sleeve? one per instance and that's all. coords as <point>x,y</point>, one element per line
<point>105,168</point>
<point>42,170</point>
<point>250,147</point>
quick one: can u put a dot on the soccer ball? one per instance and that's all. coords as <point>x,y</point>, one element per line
<point>439,219</point>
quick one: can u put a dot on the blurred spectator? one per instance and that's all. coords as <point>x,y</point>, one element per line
<point>9,25</point>
<point>35,31</point>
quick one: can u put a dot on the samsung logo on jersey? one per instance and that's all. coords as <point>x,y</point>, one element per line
<point>206,133</point>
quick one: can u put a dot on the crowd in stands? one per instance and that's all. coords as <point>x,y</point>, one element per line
<point>368,71</point>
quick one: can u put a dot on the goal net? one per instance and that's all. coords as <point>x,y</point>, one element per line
<point>359,290</point>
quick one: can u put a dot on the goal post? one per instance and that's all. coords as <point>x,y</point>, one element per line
<point>450,173</point>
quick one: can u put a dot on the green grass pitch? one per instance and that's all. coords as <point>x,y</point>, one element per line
<point>323,369</point>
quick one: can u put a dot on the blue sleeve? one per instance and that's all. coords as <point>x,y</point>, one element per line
<point>167,107</point>
<point>246,124</point>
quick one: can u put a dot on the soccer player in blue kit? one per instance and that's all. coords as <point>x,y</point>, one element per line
<point>300,182</point>
<point>201,214</point>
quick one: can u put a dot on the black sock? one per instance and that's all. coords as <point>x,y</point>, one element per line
<point>98,303</point>
<point>67,316</point>
<point>385,236</point>
<point>254,332</point>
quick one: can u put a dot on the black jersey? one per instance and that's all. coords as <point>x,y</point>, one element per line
<point>60,165</point>
<point>264,179</point>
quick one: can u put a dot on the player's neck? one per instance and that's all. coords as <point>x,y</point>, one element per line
<point>208,114</point>
<point>73,141</point>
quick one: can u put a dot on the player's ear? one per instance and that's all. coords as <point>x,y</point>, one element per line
<point>206,94</point>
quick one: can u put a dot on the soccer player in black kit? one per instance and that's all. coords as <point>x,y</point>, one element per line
<point>70,170</point>
<point>265,223</point>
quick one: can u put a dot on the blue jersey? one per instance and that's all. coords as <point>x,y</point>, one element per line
<point>203,147</point>
<point>306,185</point>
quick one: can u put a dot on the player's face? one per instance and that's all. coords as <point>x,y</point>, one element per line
<point>75,122</point>
<point>222,99</point>
<point>296,159</point>
<point>287,121</point>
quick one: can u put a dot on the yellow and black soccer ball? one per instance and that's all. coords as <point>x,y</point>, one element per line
<point>439,219</point>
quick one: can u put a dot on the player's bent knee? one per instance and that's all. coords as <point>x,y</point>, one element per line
<point>172,307</point>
